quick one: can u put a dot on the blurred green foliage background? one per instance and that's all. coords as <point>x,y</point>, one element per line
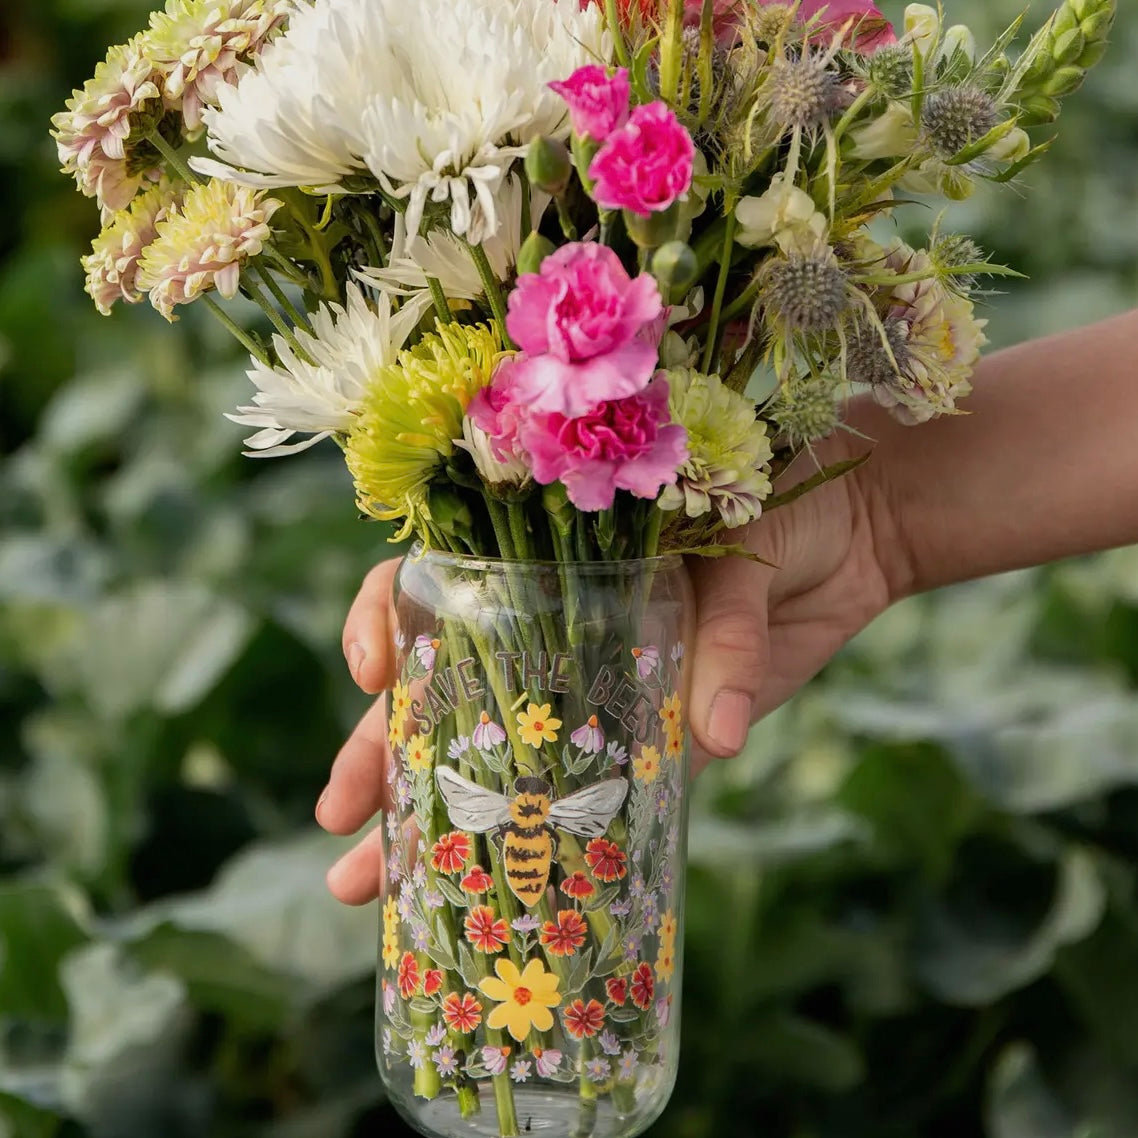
<point>929,859</point>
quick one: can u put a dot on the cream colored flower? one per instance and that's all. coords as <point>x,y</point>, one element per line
<point>203,244</point>
<point>784,215</point>
<point>890,134</point>
<point>112,264</point>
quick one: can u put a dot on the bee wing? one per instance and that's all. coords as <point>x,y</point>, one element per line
<point>471,807</point>
<point>588,812</point>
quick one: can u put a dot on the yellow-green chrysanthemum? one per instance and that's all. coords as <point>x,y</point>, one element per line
<point>412,414</point>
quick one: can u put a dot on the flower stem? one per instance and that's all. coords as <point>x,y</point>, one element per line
<point>740,304</point>
<point>612,18</point>
<point>242,337</point>
<point>492,287</point>
<point>442,308</point>
<point>255,293</point>
<point>715,329</point>
<point>294,314</point>
<point>173,158</point>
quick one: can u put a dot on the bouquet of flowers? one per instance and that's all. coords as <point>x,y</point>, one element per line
<point>571,283</point>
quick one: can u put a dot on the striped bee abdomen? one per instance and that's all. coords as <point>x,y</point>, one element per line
<point>527,853</point>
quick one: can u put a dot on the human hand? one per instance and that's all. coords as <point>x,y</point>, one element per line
<point>761,634</point>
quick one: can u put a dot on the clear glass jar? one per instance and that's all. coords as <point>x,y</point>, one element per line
<point>529,975</point>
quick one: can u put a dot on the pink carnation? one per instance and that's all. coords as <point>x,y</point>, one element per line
<point>626,444</point>
<point>869,29</point>
<point>497,411</point>
<point>587,330</point>
<point>598,103</point>
<point>646,165</point>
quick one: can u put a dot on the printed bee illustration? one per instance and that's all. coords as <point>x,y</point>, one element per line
<point>525,823</point>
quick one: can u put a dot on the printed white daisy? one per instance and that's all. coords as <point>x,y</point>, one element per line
<point>443,256</point>
<point>435,101</point>
<point>322,394</point>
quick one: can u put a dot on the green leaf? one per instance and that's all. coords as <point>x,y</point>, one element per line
<point>452,892</point>
<point>471,976</point>
<point>579,973</point>
<point>1020,1104</point>
<point>827,474</point>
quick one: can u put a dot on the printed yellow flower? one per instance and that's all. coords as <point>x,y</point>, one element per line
<point>674,744</point>
<point>523,998</point>
<point>647,766</point>
<point>390,933</point>
<point>420,753</point>
<point>666,962</point>
<point>668,928</point>
<point>536,725</point>
<point>390,915</point>
<point>202,244</point>
<point>395,733</point>
<point>390,951</point>
<point>672,712</point>
<point>399,705</point>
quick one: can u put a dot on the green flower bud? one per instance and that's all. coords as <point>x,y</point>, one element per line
<point>1065,81</point>
<point>548,165</point>
<point>675,266</point>
<point>654,230</point>
<point>534,250</point>
<point>1069,47</point>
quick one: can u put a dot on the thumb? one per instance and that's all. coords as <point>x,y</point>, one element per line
<point>732,651</point>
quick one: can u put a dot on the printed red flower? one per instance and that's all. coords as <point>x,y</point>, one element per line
<point>578,885</point>
<point>484,932</point>
<point>450,852</point>
<point>643,986</point>
<point>617,988</point>
<point>408,975</point>
<point>582,1020</point>
<point>477,880</point>
<point>567,935</point>
<point>606,859</point>
<point>432,981</point>
<point>462,1013</point>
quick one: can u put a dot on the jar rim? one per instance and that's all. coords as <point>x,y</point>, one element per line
<point>663,561</point>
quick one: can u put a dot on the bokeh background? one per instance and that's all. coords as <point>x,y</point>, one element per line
<point>913,909</point>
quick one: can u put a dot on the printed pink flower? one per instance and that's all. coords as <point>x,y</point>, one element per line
<point>590,737</point>
<point>495,1059</point>
<point>626,444</point>
<point>869,29</point>
<point>487,734</point>
<point>586,328</point>
<point>646,165</point>
<point>647,660</point>
<point>547,1061</point>
<point>598,102</point>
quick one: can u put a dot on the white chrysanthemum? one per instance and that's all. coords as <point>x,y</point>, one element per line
<point>728,466</point>
<point>112,264</point>
<point>91,134</point>
<point>443,256</point>
<point>321,393</point>
<point>202,244</point>
<point>434,100</point>
<point>199,46</point>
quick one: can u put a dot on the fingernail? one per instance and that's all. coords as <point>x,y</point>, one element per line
<point>320,805</point>
<point>730,719</point>
<point>356,658</point>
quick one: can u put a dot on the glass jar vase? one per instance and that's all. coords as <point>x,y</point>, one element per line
<point>529,975</point>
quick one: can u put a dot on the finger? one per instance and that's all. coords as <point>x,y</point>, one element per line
<point>731,653</point>
<point>357,877</point>
<point>369,628</point>
<point>357,786</point>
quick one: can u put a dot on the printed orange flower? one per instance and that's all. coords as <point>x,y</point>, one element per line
<point>486,933</point>
<point>477,880</point>
<point>523,998</point>
<point>617,989</point>
<point>647,766</point>
<point>536,725</point>
<point>408,975</point>
<point>567,935</point>
<point>606,859</point>
<point>419,753</point>
<point>578,885</point>
<point>643,986</point>
<point>462,1013</point>
<point>672,713</point>
<point>449,853</point>
<point>666,961</point>
<point>432,981</point>
<point>582,1020</point>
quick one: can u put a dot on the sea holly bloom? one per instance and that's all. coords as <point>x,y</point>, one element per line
<point>598,102</point>
<point>589,737</point>
<point>606,859</point>
<point>643,986</point>
<point>647,765</point>
<point>617,989</point>
<point>462,1013</point>
<point>626,444</point>
<point>419,753</point>
<point>487,734</point>
<point>495,1059</point>
<point>588,331</point>
<point>524,998</point>
<point>547,1061</point>
<point>567,935</point>
<point>537,725</point>
<point>609,1043</point>
<point>449,854</point>
<point>408,975</point>
<point>432,981</point>
<point>584,1020</point>
<point>647,660</point>
<point>646,165</point>
<point>477,880</point>
<point>598,1070</point>
<point>204,243</point>
<point>578,886</point>
<point>485,931</point>
<point>520,1071</point>
<point>446,1062</point>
